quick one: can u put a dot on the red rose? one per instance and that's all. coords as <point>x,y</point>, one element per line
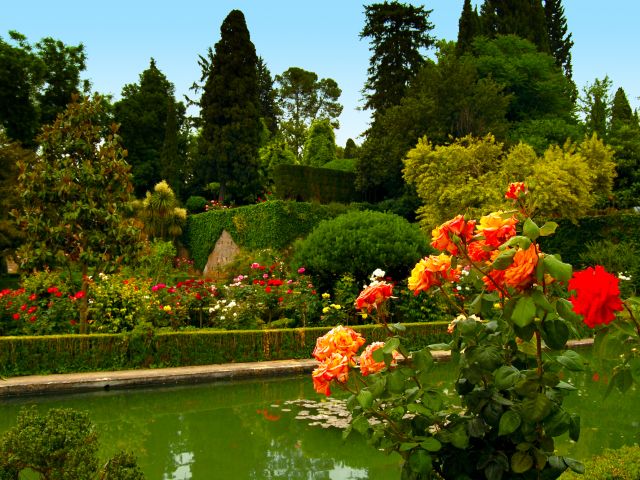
<point>442,236</point>
<point>514,190</point>
<point>596,297</point>
<point>373,295</point>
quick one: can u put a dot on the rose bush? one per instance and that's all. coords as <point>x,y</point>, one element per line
<point>509,342</point>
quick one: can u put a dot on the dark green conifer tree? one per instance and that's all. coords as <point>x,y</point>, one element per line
<point>468,27</point>
<point>143,113</point>
<point>230,114</point>
<point>560,42</point>
<point>525,18</point>
<point>398,33</point>
<point>621,112</point>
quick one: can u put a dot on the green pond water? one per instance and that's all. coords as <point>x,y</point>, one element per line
<point>249,430</point>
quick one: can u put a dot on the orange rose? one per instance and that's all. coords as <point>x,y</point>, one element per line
<point>334,367</point>
<point>432,271</point>
<point>479,251</point>
<point>521,273</point>
<point>442,236</point>
<point>368,365</point>
<point>514,190</point>
<point>342,340</point>
<point>373,295</point>
<point>496,229</point>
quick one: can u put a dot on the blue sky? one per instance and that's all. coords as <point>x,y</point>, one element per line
<point>121,36</point>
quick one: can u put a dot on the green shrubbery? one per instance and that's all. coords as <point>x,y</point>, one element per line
<point>621,464</point>
<point>317,184</point>
<point>152,348</point>
<point>359,242</point>
<point>59,445</point>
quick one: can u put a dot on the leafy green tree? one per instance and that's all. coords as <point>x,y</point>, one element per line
<point>398,34</point>
<point>230,114</point>
<point>36,83</point>
<point>269,110</point>
<point>275,152</point>
<point>596,105</point>
<point>75,196</point>
<point>447,98</point>
<point>560,42</point>
<point>10,154</point>
<point>162,217</point>
<point>150,126</point>
<point>61,444</point>
<point>538,86</point>
<point>320,147</point>
<point>303,98</point>
<point>468,28</point>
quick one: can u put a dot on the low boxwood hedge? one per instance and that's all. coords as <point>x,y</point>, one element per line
<point>84,353</point>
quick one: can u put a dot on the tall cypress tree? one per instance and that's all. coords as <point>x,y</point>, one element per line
<point>468,27</point>
<point>230,114</point>
<point>559,42</point>
<point>398,32</point>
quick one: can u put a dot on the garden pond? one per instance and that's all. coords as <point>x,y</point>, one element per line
<point>281,428</point>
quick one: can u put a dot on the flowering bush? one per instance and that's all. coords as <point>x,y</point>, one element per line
<point>509,343</point>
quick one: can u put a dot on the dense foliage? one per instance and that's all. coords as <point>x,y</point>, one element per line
<point>359,243</point>
<point>61,444</point>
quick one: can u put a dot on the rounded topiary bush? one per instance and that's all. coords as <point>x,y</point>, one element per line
<point>358,243</point>
<point>195,204</point>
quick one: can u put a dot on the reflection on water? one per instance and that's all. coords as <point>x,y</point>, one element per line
<point>248,429</point>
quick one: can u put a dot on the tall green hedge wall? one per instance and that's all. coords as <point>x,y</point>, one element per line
<point>274,224</point>
<point>84,353</point>
<point>324,185</point>
<point>570,240</point>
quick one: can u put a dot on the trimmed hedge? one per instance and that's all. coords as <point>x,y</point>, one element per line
<point>570,240</point>
<point>274,224</point>
<point>85,353</point>
<point>324,185</point>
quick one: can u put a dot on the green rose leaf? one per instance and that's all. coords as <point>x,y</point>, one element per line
<point>565,310</point>
<point>509,422</point>
<point>422,359</point>
<point>520,241</point>
<point>506,377</point>
<point>419,408</point>
<point>365,398</point>
<point>574,465</point>
<point>378,355</point>
<point>549,228</point>
<point>537,408</point>
<point>420,461</point>
<point>574,427</point>
<point>524,312</point>
<point>541,301</point>
<point>407,446</point>
<point>360,424</point>
<point>395,382</point>
<point>530,230</point>
<point>431,444</point>
<point>521,462</point>
<point>572,361</point>
<point>390,345</point>
<point>503,260</point>
<point>459,437</point>
<point>555,333</point>
<point>557,269</point>
<point>557,424</point>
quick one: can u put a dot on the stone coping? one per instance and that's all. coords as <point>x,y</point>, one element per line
<point>91,381</point>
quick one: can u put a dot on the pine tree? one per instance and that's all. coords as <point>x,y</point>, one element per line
<point>398,33</point>
<point>468,27</point>
<point>230,114</point>
<point>621,112</point>
<point>559,42</point>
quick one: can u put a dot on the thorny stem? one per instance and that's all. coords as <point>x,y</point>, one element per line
<point>633,317</point>
<point>539,352</point>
